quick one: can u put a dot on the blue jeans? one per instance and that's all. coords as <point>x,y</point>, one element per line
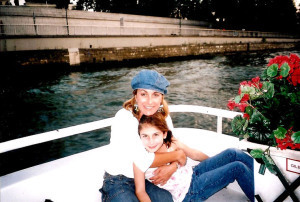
<point>217,172</point>
<point>121,188</point>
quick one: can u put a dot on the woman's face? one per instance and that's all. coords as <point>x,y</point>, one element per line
<point>148,101</point>
<point>152,138</point>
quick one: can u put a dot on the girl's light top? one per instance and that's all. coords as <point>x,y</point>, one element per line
<point>179,183</point>
<point>126,147</point>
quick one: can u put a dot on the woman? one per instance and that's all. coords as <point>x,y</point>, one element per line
<point>149,88</point>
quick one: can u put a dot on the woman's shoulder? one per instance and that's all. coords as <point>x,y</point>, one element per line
<point>124,113</point>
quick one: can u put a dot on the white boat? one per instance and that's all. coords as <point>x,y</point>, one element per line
<point>78,177</point>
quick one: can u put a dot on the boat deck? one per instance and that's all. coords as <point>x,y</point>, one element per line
<point>79,177</point>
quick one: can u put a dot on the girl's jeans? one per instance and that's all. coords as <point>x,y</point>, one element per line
<point>217,172</point>
<point>121,188</point>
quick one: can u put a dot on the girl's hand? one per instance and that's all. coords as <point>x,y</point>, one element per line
<point>143,196</point>
<point>163,173</point>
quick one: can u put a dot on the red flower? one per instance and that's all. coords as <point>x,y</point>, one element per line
<point>246,116</point>
<point>287,141</point>
<point>243,83</point>
<point>231,104</point>
<point>295,77</point>
<point>242,106</point>
<point>245,98</point>
<point>255,80</point>
<point>294,63</point>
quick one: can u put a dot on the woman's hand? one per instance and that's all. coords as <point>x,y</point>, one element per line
<point>163,173</point>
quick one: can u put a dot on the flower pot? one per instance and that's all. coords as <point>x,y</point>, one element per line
<point>268,185</point>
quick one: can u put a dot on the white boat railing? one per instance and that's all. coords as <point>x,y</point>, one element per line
<point>87,127</point>
<point>219,113</point>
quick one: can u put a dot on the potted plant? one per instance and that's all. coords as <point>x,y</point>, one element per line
<point>271,110</point>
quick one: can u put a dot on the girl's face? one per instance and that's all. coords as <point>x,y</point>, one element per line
<point>152,138</point>
<point>148,101</point>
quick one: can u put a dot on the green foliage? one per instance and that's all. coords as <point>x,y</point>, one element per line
<point>257,153</point>
<point>280,132</point>
<point>271,107</point>
<point>296,137</point>
<point>237,125</point>
<point>269,163</point>
<point>269,90</point>
<point>272,70</point>
<point>284,69</point>
<point>266,159</point>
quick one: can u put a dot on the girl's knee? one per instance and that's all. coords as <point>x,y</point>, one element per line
<point>232,151</point>
<point>239,168</point>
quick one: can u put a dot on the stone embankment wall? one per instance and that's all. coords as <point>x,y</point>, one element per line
<point>75,56</point>
<point>32,36</point>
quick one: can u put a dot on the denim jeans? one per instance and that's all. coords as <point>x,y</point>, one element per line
<point>120,188</point>
<point>217,172</point>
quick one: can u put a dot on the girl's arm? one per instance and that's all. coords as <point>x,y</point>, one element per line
<point>190,152</point>
<point>139,181</point>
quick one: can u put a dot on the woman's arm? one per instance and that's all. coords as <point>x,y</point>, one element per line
<point>190,152</point>
<point>169,157</point>
<point>163,173</point>
<point>139,181</point>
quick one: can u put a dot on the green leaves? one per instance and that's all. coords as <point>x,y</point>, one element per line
<point>257,117</point>
<point>269,163</point>
<point>247,90</point>
<point>237,99</point>
<point>237,125</point>
<point>296,137</point>
<point>257,153</point>
<point>284,70</point>
<point>267,160</point>
<point>272,70</point>
<point>280,132</point>
<point>268,89</point>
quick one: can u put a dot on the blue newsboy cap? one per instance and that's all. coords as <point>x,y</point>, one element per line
<point>151,80</point>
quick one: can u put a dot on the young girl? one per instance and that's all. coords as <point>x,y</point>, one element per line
<point>192,183</point>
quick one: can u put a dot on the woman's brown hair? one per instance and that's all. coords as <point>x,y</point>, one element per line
<point>129,105</point>
<point>158,121</point>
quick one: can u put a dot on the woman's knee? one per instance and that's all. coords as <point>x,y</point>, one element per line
<point>119,196</point>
